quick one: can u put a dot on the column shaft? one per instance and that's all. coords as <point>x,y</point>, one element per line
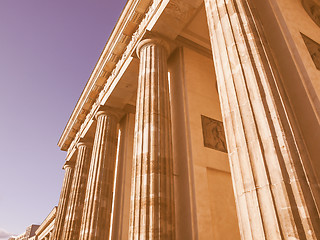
<point>78,191</point>
<point>98,201</point>
<point>273,197</point>
<point>152,213</point>
<point>63,202</point>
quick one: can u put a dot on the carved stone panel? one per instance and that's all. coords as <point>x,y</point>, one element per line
<point>213,134</point>
<point>312,7</point>
<point>314,50</point>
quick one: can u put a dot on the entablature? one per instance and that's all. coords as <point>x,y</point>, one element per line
<point>104,86</point>
<point>47,221</point>
<point>116,45</point>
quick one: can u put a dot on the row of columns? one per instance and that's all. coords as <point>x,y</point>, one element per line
<point>273,197</point>
<point>84,210</point>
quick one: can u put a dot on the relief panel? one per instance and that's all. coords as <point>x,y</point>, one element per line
<point>312,7</point>
<point>213,134</point>
<point>314,50</point>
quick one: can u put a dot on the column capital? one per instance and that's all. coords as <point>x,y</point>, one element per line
<point>71,229</point>
<point>63,200</point>
<point>68,164</point>
<point>158,41</point>
<point>109,111</point>
<point>85,142</point>
<point>96,218</point>
<point>158,153</point>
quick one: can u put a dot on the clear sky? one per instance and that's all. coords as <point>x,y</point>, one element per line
<point>48,49</point>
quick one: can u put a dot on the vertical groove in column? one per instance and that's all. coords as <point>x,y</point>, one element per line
<point>303,195</point>
<point>152,213</point>
<point>253,144</point>
<point>242,210</point>
<point>273,198</point>
<point>240,144</point>
<point>78,191</point>
<point>95,223</point>
<point>63,201</point>
<point>136,170</point>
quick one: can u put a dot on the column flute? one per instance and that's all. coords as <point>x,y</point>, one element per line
<point>273,195</point>
<point>63,201</point>
<point>95,223</point>
<point>78,191</point>
<point>152,210</point>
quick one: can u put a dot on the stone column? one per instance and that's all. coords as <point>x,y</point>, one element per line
<point>152,210</point>
<point>273,195</point>
<point>98,200</point>
<point>78,192</point>
<point>63,201</point>
<point>122,194</point>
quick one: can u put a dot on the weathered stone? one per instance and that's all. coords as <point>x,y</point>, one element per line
<point>273,198</point>
<point>152,210</point>
<point>78,192</point>
<point>95,223</point>
<point>63,201</point>
<point>268,90</point>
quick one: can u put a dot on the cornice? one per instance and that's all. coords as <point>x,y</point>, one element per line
<point>47,221</point>
<point>127,24</point>
<point>103,75</point>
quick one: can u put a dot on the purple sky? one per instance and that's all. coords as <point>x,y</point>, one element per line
<point>48,49</point>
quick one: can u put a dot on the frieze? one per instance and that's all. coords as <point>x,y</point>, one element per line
<point>136,17</point>
<point>178,9</point>
<point>103,73</point>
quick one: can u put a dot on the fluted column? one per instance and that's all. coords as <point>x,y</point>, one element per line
<point>152,213</point>
<point>273,194</point>
<point>98,201</point>
<point>63,201</point>
<point>78,192</point>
